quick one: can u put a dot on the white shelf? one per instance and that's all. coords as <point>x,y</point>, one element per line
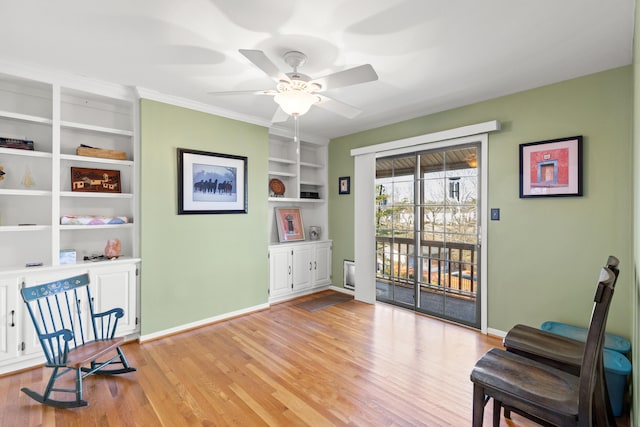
<point>86,194</point>
<point>26,153</point>
<point>277,173</point>
<point>22,228</point>
<point>25,192</point>
<point>95,227</point>
<point>314,183</point>
<point>88,159</point>
<point>283,161</point>
<point>25,117</point>
<point>311,165</point>
<point>294,200</point>
<point>93,128</point>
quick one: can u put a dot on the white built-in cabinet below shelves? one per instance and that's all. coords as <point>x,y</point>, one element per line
<point>298,268</point>
<point>36,190</point>
<point>112,285</point>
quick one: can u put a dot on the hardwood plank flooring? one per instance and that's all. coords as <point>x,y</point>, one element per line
<point>348,364</point>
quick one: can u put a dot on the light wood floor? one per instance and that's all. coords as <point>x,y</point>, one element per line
<point>349,364</point>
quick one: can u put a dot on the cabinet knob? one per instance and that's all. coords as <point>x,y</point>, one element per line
<point>310,266</point>
<point>13,322</point>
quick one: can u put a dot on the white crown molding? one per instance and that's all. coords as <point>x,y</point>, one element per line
<point>68,80</point>
<point>279,130</point>
<point>154,95</point>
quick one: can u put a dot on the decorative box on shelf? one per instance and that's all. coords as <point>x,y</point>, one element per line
<point>101,153</point>
<point>309,195</point>
<point>67,256</point>
<point>21,144</point>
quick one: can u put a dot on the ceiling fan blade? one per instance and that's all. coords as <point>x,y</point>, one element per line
<point>352,76</point>
<point>246,92</point>
<point>261,61</point>
<point>338,107</point>
<point>280,116</point>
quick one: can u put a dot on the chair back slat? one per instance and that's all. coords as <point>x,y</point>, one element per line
<point>595,342</point>
<point>56,311</point>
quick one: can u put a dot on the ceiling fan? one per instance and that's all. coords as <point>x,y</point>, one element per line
<point>295,92</point>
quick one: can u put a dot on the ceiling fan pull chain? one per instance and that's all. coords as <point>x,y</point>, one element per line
<point>296,136</point>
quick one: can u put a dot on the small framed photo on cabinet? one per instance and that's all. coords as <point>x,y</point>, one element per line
<point>289,222</point>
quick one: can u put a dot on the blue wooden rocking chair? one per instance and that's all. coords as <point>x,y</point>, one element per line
<point>71,340</point>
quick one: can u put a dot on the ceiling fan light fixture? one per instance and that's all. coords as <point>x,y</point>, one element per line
<point>295,102</point>
<point>472,161</point>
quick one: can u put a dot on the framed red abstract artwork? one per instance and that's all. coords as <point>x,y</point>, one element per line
<point>551,168</point>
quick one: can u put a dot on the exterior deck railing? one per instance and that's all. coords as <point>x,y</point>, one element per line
<point>439,266</point>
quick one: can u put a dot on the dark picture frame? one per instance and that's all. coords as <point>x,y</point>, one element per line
<point>289,223</point>
<point>551,168</point>
<point>211,183</point>
<point>91,180</point>
<point>344,185</point>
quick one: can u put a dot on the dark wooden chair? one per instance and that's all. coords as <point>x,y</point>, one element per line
<point>73,336</point>
<point>563,353</point>
<point>538,391</point>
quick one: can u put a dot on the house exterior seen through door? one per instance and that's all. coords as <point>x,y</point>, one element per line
<point>427,234</point>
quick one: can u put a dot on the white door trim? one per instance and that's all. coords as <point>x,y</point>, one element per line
<point>364,199</point>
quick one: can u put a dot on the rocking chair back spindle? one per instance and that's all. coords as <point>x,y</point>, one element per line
<point>71,339</point>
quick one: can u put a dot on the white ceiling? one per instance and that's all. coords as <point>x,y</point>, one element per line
<point>430,55</point>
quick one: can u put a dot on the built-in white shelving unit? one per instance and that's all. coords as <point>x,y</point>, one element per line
<point>301,267</point>
<point>36,189</point>
<point>302,168</point>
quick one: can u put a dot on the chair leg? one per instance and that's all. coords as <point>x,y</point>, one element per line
<point>78,385</point>
<point>604,414</point>
<point>45,397</point>
<point>497,407</point>
<point>97,368</point>
<point>479,401</point>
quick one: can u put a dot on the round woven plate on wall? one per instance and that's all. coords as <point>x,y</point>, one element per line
<point>277,187</point>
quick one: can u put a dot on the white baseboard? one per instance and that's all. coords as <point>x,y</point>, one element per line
<point>203,322</point>
<point>342,290</point>
<point>496,332</point>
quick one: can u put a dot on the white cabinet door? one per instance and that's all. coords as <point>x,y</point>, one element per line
<point>116,288</point>
<point>322,265</point>
<point>9,312</point>
<point>280,271</point>
<point>303,267</point>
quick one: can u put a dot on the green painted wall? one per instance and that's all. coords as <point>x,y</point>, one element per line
<point>544,254</point>
<point>198,266</point>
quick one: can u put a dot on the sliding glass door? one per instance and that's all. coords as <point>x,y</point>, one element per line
<point>427,242</point>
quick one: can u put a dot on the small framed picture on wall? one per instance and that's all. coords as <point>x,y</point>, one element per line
<point>344,185</point>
